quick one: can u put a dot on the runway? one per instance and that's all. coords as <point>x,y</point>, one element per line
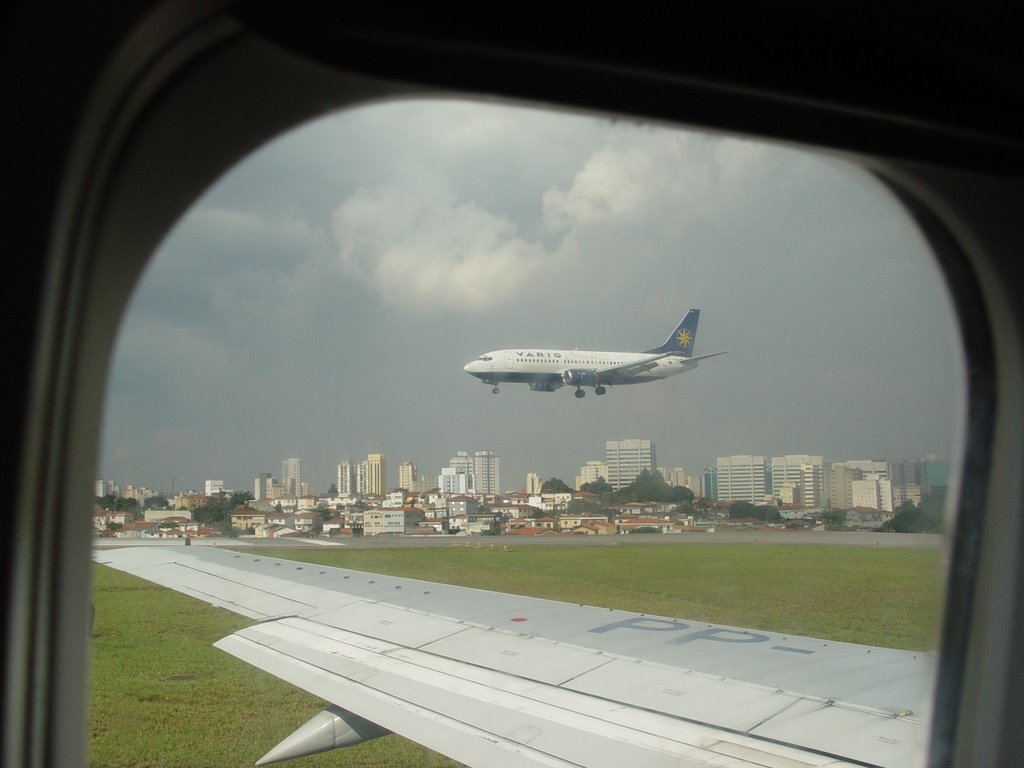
<point>759,538</point>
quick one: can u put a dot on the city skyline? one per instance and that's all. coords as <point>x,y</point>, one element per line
<point>321,302</point>
<point>776,470</point>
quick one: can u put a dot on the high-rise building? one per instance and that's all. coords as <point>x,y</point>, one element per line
<point>591,471</point>
<point>362,477</point>
<point>486,472</point>
<point>872,466</point>
<point>213,487</point>
<point>626,459</point>
<point>742,478</point>
<point>261,486</point>
<point>873,494</point>
<point>376,474</point>
<point>346,483</point>
<point>801,470</point>
<point>839,484</point>
<point>533,483</point>
<point>452,481</point>
<point>406,475</point>
<point>906,473</point>
<point>291,476</point>
<point>460,464</point>
<point>936,473</point>
<point>709,483</point>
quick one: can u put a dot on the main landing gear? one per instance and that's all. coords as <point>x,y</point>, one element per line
<point>495,390</point>
<point>598,390</point>
<point>579,392</point>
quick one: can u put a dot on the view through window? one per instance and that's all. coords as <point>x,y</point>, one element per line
<point>292,373</point>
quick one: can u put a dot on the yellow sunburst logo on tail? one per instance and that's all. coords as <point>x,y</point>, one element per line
<point>684,338</point>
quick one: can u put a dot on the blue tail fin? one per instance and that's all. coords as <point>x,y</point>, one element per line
<point>683,338</point>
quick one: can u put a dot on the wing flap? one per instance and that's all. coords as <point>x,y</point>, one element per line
<point>467,712</point>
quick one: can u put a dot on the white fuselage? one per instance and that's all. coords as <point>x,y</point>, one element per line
<point>525,365</point>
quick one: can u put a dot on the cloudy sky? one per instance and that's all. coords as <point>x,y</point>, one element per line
<point>321,300</point>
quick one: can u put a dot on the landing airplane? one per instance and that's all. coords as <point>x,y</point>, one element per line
<point>545,370</point>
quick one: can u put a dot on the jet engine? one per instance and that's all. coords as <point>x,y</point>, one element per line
<point>577,377</point>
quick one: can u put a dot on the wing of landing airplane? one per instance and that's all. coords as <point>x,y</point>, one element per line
<point>618,374</point>
<point>492,679</point>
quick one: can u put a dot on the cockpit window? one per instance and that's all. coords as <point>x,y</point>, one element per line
<point>292,368</point>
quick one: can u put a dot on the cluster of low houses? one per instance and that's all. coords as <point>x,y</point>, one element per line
<point>431,513</point>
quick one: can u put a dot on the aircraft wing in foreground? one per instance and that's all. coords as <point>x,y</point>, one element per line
<point>492,679</point>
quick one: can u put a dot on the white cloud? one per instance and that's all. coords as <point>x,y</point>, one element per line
<point>653,174</point>
<point>425,251</point>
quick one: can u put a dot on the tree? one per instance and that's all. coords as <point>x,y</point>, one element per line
<point>686,508</point>
<point>646,529</point>
<point>834,518</point>
<point>239,498</point>
<point>554,485</point>
<point>703,504</point>
<point>741,509</point>
<point>599,486</point>
<point>910,519</point>
<point>680,494</point>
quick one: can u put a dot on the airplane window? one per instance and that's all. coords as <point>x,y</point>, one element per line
<point>750,469</point>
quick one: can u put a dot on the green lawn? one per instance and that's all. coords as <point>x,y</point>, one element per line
<point>163,696</point>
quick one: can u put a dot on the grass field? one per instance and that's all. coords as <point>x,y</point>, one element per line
<point>163,696</point>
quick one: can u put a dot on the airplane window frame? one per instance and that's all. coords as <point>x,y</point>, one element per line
<point>150,94</point>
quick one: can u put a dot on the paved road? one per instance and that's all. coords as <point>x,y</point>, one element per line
<point>831,538</point>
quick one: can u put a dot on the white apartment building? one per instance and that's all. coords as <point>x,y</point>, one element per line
<point>406,475</point>
<point>291,476</point>
<point>487,472</point>
<point>741,478</point>
<point>261,486</point>
<point>626,459</point>
<point>808,472</point>
<point>590,472</point>
<point>346,482</point>
<point>362,472</point>
<point>453,481</point>
<point>106,488</point>
<point>213,487</point>
<point>873,493</point>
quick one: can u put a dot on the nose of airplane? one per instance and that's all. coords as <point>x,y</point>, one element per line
<point>468,367</point>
